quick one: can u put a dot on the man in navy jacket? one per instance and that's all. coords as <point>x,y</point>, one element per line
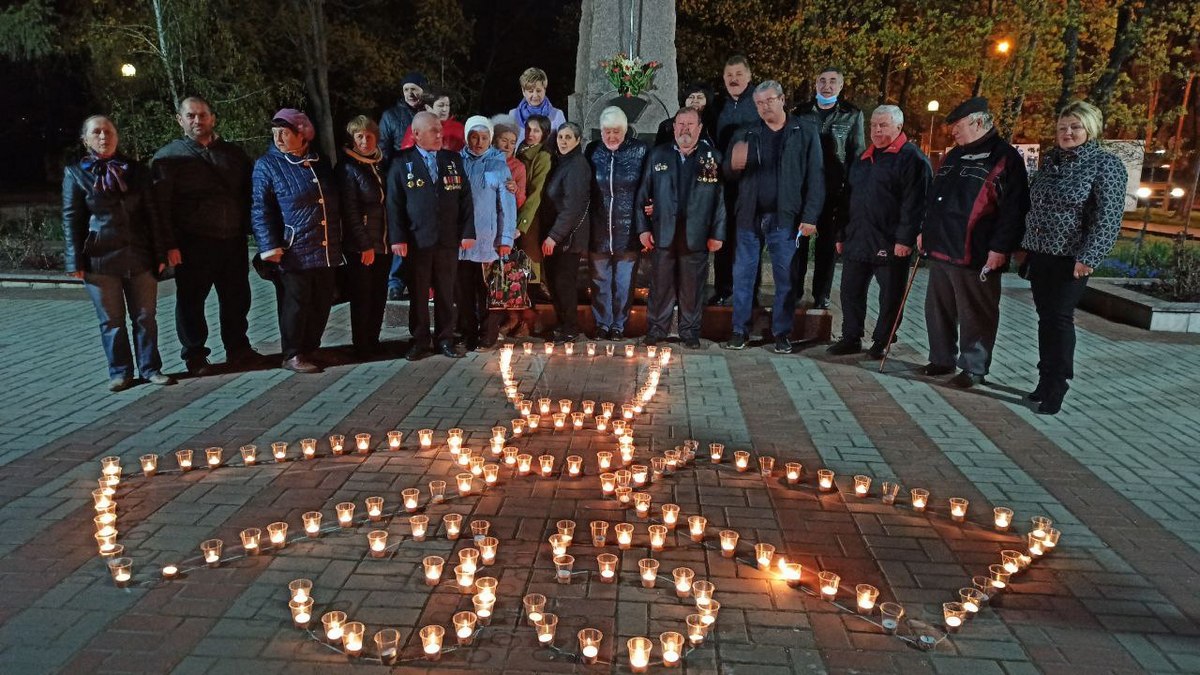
<point>430,216</point>
<point>684,199</point>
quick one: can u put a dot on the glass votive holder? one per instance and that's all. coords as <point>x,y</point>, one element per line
<point>352,637</point>
<point>591,349</point>
<point>308,448</point>
<point>610,349</point>
<point>624,535</point>
<point>792,571</point>
<point>953,615</point>
<point>828,583</point>
<point>535,606</point>
<point>149,464</point>
<point>624,495</point>
<point>641,504</point>
<point>708,609</point>
<point>862,485</point>
<point>1039,525</point>
<point>972,599</point>
<point>697,630</point>
<point>333,623</point>
<point>569,348</point>
<point>696,526</point>
<point>524,464</point>
<point>958,509</point>
<point>998,577</point>
<point>606,563</point>
<point>345,514</point>
<point>453,524</point>
<point>658,466</point>
<point>101,499</point>
<point>890,614</point>
<point>419,526</point>
<point>549,348</point>
<point>279,451</point>
<point>250,538</point>
<point>574,466</point>
<point>277,534</point>
<point>1002,518</point>
<point>433,566</point>
<point>683,577</point>
<point>559,544</point>
<point>362,442</point>
<point>545,627</point>
<point>888,491</point>
<point>1036,545</point>
<point>763,554</point>
<point>301,612</point>
<point>563,565</point>
<point>604,460</point>
<point>627,411</point>
<point>211,550</point>
<point>184,458</point>
<point>716,451</point>
<point>577,420</point>
<point>487,550</point>
<point>560,420</point>
<point>464,626</point>
<point>599,533</point>
<point>639,650</point>
<point>475,464</point>
<point>766,466</point>
<point>1011,560</point>
<point>608,483</point>
<point>518,426</point>
<point>107,543</point>
<point>484,606</point>
<point>463,457</point>
<point>865,596</point>
<point>212,457</point>
<point>121,570</point>
<point>566,528</point>
<point>486,586</point>
<point>469,558</point>
<point>920,499</point>
<point>425,438</point>
<point>375,508</point>
<point>601,423</point>
<point>630,351</point>
<point>741,460</point>
<point>729,540</point>
<point>525,407</point>
<point>387,646</point>
<point>464,576</point>
<point>431,642</point>
<point>527,347</point>
<point>589,644</point>
<point>509,456</point>
<point>703,591</point>
<point>658,537</point>
<point>1051,540</point>
<point>672,648</point>
<point>546,465</point>
<point>377,543</point>
<point>641,474</point>
<point>648,568</point>
<point>464,481</point>
<point>664,356</point>
<point>825,479</point>
<point>337,444</point>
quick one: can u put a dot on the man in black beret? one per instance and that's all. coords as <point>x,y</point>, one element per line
<point>974,220</point>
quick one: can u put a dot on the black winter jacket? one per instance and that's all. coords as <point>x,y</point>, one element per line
<point>363,205</point>
<point>734,116</point>
<point>395,121</point>
<point>296,207</point>
<point>801,176</point>
<point>568,202</point>
<point>887,191</point>
<point>704,212</point>
<point>203,191</point>
<point>617,176</point>
<point>842,141</point>
<point>977,203</point>
<point>115,233</point>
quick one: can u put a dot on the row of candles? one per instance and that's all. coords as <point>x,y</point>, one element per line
<point>653,352</point>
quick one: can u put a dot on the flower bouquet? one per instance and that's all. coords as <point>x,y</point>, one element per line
<point>629,76</point>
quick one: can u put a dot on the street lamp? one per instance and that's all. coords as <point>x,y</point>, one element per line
<point>1143,193</point>
<point>1003,47</point>
<point>128,70</point>
<point>932,108</point>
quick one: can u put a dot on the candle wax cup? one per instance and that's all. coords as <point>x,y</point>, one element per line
<point>953,621</point>
<point>590,651</point>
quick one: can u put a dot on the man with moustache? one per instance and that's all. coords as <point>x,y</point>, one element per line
<point>430,217</point>
<point>202,189</point>
<point>841,125</point>
<point>682,221</point>
<point>737,112</point>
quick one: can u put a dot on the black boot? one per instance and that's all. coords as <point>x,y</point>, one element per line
<point>1052,398</point>
<point>1039,392</point>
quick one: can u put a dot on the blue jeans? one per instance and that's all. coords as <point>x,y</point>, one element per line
<point>612,279</point>
<point>396,276</point>
<point>780,241</point>
<point>112,295</point>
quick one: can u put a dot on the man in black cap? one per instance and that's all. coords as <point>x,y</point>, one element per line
<point>974,220</point>
<point>392,126</point>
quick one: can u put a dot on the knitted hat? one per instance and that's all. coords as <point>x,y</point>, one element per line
<point>414,78</point>
<point>477,122</point>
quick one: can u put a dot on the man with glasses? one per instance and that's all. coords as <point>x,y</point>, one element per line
<point>974,220</point>
<point>780,194</point>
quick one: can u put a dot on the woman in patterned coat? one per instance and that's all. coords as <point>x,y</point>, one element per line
<point>1077,200</point>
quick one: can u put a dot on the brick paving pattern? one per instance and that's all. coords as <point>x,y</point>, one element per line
<point>1117,470</point>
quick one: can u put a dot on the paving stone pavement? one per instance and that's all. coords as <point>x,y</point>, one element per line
<point>1117,470</point>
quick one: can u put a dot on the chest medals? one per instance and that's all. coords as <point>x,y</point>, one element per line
<point>451,179</point>
<point>412,180</point>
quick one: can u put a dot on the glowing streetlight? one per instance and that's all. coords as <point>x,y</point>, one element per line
<point>128,70</point>
<point>1177,192</point>
<point>1003,47</point>
<point>933,106</point>
<point>1143,192</point>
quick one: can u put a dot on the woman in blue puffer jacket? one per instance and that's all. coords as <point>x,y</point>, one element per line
<point>617,161</point>
<point>495,230</point>
<point>298,228</point>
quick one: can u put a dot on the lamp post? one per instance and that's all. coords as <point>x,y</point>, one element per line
<point>932,107</point>
<point>1143,193</point>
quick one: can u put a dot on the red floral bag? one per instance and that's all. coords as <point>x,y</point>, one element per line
<point>508,281</point>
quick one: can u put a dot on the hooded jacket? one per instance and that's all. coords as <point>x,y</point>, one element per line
<point>495,207</point>
<point>886,195</point>
<point>617,177</point>
<point>295,206</point>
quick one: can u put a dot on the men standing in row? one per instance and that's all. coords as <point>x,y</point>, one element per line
<point>778,161</point>
<point>202,188</point>
<point>430,217</point>
<point>681,183</point>
<point>886,192</point>
<point>974,221</point>
<point>841,127</point>
<point>737,112</point>
<point>392,127</point>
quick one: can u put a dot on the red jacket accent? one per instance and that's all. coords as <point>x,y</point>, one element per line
<point>454,137</point>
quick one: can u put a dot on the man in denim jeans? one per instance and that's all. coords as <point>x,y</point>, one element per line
<point>780,194</point>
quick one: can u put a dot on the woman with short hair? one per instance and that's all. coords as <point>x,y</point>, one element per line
<point>368,253</point>
<point>567,203</point>
<point>1077,201</point>
<point>116,244</point>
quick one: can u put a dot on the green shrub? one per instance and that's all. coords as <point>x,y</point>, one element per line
<point>30,240</point>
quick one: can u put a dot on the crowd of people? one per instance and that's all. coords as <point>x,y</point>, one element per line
<point>485,217</point>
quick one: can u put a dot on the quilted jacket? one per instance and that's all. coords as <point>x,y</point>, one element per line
<point>295,207</point>
<point>363,214</point>
<point>618,174</point>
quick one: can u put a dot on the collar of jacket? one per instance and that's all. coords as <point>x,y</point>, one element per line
<point>364,159</point>
<point>198,146</point>
<point>893,148</point>
<point>310,157</point>
<point>978,144</point>
<point>810,106</point>
<point>1089,148</point>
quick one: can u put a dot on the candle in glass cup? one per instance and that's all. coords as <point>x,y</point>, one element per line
<point>672,648</point>
<point>1002,518</point>
<point>375,508</point>
<point>683,581</point>
<point>953,615</point>
<point>862,485</point>
<point>696,525</point>
<point>433,566</point>
<point>211,550</point>
<point>510,456</point>
<point>607,565</point>
<point>641,504</point>
<point>640,473</point>
<point>608,483</point>
<point>639,651</point>
<point>658,467</point>
<point>865,594</point>
<point>277,534</point>
<point>337,444</point>
<point>464,575</point>
<point>1051,539</point>
<point>484,606</point>
<point>998,577</point>
<point>1040,525</point>
<point>670,515</point>
<point>601,423</point>
<point>345,514</point>
<point>333,623</point>
<point>377,543</point>
<point>533,421</point>
<point>560,420</point>
<point>696,629</point>
<point>703,591</point>
<point>624,495</point>
<point>825,479</point>
<point>624,535</point>
<point>741,460</point>
<point>184,458</point>
<point>464,481</point>
<point>486,586</point>
<point>476,463</point>
<point>558,544</point>
<point>1035,545</point>
<point>352,637</point>
<point>431,642</point>
<point>387,646</point>
<point>462,457</point>
<point>525,407</point>
<point>792,571</point>
<point>363,443</point>
<point>250,538</point>
<point>480,529</point>
<point>149,464</point>
<point>715,452</point>
<point>464,626</point>
<point>604,459</point>
<point>828,583</point>
<point>599,533</point>
<point>792,471</point>
<point>453,525</point>
<point>972,599</point>
<point>546,465</point>
<point>708,609</point>
<point>658,537</point>
<point>958,509</point>
<point>1011,560</point>
<point>763,553</point>
<point>729,540</point>
<point>121,570</point>
<point>563,565</point>
<point>577,420</point>
<point>308,448</point>
<point>920,499</point>
<point>890,614</point>
<point>419,525</point>
<point>469,558</point>
<point>487,550</point>
<point>574,466</point>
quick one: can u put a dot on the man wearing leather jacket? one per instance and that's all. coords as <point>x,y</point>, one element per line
<point>842,142</point>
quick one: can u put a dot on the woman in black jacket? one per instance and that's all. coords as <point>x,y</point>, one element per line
<point>367,261</point>
<point>115,243</point>
<point>565,210</point>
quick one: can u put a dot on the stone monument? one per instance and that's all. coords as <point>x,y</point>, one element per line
<point>644,28</point>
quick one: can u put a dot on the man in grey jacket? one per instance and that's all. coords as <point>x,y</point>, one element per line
<point>202,189</point>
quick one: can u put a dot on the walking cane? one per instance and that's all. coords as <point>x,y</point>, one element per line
<point>903,301</point>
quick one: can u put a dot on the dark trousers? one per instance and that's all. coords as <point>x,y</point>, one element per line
<point>1056,294</point>
<point>306,297</point>
<point>208,263</point>
<point>367,286</point>
<point>962,314</point>
<point>824,260</point>
<point>428,268</point>
<point>562,272</point>
<point>856,280</point>
<point>676,277</point>
<point>471,297</point>
<point>723,258</point>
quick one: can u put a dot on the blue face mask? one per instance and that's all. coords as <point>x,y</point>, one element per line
<point>826,101</point>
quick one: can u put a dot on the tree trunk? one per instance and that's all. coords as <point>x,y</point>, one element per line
<point>1130,25</point>
<point>1020,82</point>
<point>313,44</point>
<point>885,75</point>
<point>1070,56</point>
<point>164,50</point>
